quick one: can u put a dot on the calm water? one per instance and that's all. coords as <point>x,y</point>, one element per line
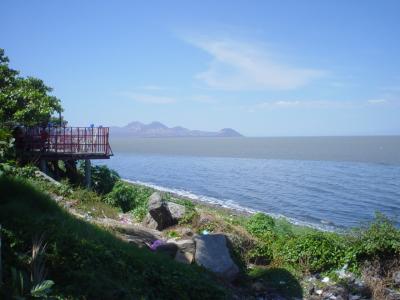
<point>324,182</point>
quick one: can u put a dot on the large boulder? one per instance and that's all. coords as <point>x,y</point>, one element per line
<point>162,214</point>
<point>212,252</point>
<point>177,211</point>
<point>159,216</point>
<point>186,250</point>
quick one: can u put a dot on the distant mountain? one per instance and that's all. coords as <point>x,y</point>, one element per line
<point>157,129</point>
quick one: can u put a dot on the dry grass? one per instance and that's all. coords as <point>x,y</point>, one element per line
<point>378,275</point>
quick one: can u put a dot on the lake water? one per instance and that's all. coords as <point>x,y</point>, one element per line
<point>326,182</point>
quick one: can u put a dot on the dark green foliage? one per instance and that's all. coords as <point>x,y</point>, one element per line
<point>380,240</point>
<point>122,196</point>
<point>315,252</point>
<point>260,254</point>
<point>260,223</point>
<point>130,197</point>
<point>6,143</point>
<point>86,261</point>
<point>103,178</point>
<point>25,101</point>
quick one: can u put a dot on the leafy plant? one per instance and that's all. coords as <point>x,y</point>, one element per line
<point>379,240</point>
<point>103,178</point>
<point>36,286</point>
<point>25,101</point>
<point>129,197</point>
<point>314,252</point>
<point>260,223</point>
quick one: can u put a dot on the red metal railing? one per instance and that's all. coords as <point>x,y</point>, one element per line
<point>67,140</point>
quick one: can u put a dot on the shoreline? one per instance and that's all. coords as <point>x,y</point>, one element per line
<point>235,211</point>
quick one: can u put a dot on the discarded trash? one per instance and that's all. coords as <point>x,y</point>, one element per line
<point>325,279</point>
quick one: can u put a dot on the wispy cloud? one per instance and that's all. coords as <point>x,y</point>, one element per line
<point>237,65</point>
<point>151,88</point>
<point>149,98</point>
<point>291,104</point>
<point>376,101</point>
<point>313,104</point>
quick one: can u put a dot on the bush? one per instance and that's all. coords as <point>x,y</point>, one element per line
<point>129,197</point>
<point>103,178</point>
<point>314,252</point>
<point>260,223</point>
<point>380,240</point>
<point>260,254</point>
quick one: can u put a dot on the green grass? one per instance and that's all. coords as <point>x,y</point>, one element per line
<point>86,261</point>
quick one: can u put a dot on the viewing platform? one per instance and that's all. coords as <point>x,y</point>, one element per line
<point>63,143</point>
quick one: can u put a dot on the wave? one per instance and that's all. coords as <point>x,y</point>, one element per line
<point>231,204</point>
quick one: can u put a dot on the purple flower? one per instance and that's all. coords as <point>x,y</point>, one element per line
<point>156,244</point>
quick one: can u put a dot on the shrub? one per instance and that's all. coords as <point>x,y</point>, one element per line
<point>380,240</point>
<point>129,197</point>
<point>260,223</point>
<point>261,253</point>
<point>314,252</point>
<point>103,178</point>
<point>140,211</point>
<point>122,196</point>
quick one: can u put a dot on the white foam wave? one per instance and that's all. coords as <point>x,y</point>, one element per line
<point>230,204</point>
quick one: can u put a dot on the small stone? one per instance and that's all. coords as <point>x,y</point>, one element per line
<point>355,297</point>
<point>318,292</point>
<point>396,278</point>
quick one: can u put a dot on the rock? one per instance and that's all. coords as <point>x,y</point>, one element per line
<point>391,294</point>
<point>184,257</point>
<point>159,216</point>
<point>335,292</point>
<point>177,211</point>
<point>212,253</point>
<point>149,222</point>
<point>396,278</point>
<point>186,250</point>
<point>169,249</point>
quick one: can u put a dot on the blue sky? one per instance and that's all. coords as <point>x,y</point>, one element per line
<point>265,68</point>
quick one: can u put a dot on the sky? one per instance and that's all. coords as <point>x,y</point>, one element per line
<point>264,68</point>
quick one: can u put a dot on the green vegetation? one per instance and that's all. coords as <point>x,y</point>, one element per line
<point>24,101</point>
<point>83,259</point>
<point>309,250</point>
<point>129,197</point>
<point>103,178</point>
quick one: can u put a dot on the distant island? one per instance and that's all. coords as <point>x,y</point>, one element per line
<point>157,129</point>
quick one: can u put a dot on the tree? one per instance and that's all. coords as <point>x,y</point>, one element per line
<point>24,101</point>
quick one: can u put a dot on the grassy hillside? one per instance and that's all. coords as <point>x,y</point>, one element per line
<point>84,260</point>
